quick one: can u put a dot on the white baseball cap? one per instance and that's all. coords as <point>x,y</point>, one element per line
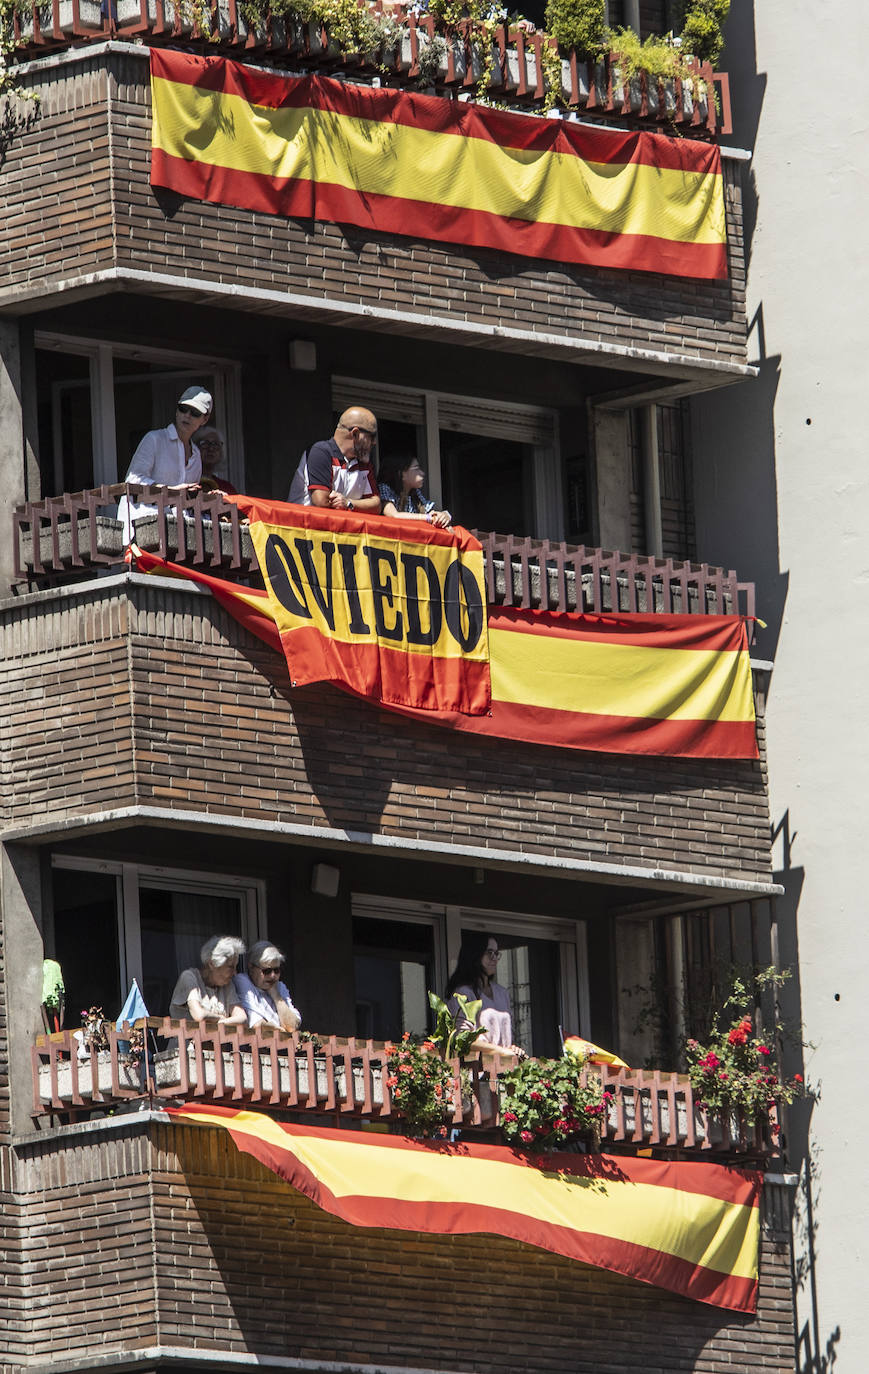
<point>197,398</point>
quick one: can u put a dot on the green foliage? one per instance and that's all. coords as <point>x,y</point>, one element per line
<point>450,1042</point>
<point>545,1104</point>
<point>422,1085</point>
<point>736,1069</point>
<point>657,56</point>
<point>579,24</point>
<point>702,30</point>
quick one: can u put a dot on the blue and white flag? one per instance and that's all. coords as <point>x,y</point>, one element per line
<point>134,1008</point>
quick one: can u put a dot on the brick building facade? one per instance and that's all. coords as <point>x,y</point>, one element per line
<point>160,775</point>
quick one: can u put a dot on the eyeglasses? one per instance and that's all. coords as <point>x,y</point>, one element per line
<point>372,433</point>
<point>268,972</point>
<point>210,443</point>
<point>493,953</point>
<point>189,410</point>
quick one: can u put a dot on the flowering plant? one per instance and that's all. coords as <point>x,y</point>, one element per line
<point>93,1029</point>
<point>737,1069</point>
<point>545,1104</point>
<point>423,1086</point>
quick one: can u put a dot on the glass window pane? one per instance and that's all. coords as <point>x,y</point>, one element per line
<point>145,397</point>
<point>63,400</point>
<point>530,971</point>
<point>174,925</point>
<point>487,483</point>
<point>86,942</point>
<point>393,968</point>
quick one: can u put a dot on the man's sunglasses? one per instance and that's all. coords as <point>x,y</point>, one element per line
<point>189,410</point>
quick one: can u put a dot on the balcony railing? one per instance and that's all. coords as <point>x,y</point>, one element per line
<point>268,1069</point>
<point>517,62</point>
<point>70,535</point>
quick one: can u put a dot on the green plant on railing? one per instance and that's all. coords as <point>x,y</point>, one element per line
<point>703,28</point>
<point>660,58</point>
<point>736,1068</point>
<point>545,1105</point>
<point>429,55</point>
<point>94,1032</point>
<point>579,24</point>
<point>423,1088</point>
<point>450,1041</point>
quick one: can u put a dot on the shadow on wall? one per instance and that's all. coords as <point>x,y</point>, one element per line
<point>297,1282</point>
<point>748,89</point>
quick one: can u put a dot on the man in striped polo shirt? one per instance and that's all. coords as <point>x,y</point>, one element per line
<point>338,472</point>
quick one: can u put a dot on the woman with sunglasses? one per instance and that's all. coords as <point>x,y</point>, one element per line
<point>474,979</point>
<point>262,994</point>
<point>168,457</point>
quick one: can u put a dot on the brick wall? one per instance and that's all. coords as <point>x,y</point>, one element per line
<point>95,125</point>
<point>138,693</point>
<point>152,1234</point>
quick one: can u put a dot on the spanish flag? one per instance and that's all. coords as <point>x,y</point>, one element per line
<point>692,1228</point>
<point>664,685</point>
<point>389,161</point>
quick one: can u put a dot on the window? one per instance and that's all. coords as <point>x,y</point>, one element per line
<point>494,464</point>
<point>95,400</point>
<point>114,922</point>
<point>402,949</point>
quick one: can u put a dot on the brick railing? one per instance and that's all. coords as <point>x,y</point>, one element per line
<point>593,89</point>
<point>69,535</point>
<point>270,1069</point>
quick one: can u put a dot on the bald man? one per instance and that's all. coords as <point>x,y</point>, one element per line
<point>337,472</point>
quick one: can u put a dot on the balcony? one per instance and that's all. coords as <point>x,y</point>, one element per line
<point>451,58</point>
<point>67,537</point>
<point>270,1070</point>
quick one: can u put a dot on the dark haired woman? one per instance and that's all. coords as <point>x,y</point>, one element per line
<point>401,483</point>
<point>474,978</point>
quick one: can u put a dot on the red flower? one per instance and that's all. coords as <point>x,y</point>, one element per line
<point>438,1092</point>
<point>510,1116</point>
<point>763,1049</point>
<point>798,1078</point>
<point>535,1097</point>
<point>405,1068</point>
<point>391,1081</point>
<point>428,1045</point>
<point>526,1136</point>
<point>738,1035</point>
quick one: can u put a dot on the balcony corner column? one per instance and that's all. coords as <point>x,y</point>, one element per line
<point>21,989</point>
<point>19,469</point>
<point>613,478</point>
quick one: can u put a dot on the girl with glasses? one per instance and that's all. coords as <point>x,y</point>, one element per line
<point>474,979</point>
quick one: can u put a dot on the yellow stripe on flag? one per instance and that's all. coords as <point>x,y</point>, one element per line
<point>398,160</point>
<point>601,678</point>
<point>694,1227</point>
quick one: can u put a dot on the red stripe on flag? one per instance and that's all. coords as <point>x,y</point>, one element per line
<point>638,1262</point>
<point>388,675</point>
<point>422,219</point>
<point>720,633</point>
<point>508,129</point>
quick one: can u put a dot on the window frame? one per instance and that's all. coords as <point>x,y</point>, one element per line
<point>102,382</point>
<point>130,876</point>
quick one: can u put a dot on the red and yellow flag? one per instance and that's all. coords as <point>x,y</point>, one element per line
<point>668,685</point>
<point>401,620</point>
<point>690,1228</point>
<point>452,171</point>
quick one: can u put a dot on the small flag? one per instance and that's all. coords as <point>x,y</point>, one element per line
<point>134,1008</point>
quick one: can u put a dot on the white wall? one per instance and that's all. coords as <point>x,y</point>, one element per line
<point>783,495</point>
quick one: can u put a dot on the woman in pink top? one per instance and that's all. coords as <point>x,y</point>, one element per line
<point>474,978</point>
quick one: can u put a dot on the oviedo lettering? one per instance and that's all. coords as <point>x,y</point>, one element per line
<point>400,599</point>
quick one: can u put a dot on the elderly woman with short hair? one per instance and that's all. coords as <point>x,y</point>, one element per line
<point>264,997</point>
<point>208,991</point>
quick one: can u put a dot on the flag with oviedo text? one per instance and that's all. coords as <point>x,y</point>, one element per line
<point>664,685</point>
<point>401,620</point>
<point>402,163</point>
<point>692,1228</point>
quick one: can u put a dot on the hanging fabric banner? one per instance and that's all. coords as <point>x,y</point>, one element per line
<point>691,1228</point>
<point>417,165</point>
<point>667,685</point>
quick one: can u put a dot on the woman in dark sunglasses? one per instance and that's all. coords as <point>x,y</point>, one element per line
<point>168,457</point>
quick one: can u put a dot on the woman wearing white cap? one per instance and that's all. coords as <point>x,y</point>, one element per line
<point>168,457</point>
